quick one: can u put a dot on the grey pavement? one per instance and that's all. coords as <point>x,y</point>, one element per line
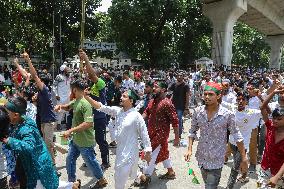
<point>183,180</point>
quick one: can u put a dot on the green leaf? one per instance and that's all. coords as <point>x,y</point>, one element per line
<point>195,180</point>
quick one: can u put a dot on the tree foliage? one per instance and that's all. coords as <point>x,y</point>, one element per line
<point>157,32</point>
<point>30,22</point>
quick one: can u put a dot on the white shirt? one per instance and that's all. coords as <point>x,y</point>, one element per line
<point>246,120</point>
<point>62,88</point>
<point>129,126</point>
<point>31,111</point>
<point>127,84</point>
<point>139,87</point>
<point>229,101</point>
<point>254,103</point>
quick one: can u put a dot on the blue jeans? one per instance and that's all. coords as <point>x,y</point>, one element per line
<point>89,158</point>
<point>180,124</point>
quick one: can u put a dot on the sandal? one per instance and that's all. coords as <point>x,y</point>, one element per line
<point>100,184</point>
<point>242,179</point>
<point>144,183</point>
<point>77,184</point>
<point>168,176</point>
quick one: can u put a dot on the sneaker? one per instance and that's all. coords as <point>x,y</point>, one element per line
<point>105,166</point>
<point>99,184</point>
<point>112,144</point>
<point>252,168</point>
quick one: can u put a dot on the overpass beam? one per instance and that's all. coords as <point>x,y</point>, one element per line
<point>276,43</point>
<point>223,15</point>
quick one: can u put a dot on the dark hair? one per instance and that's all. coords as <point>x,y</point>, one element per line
<point>118,79</point>
<point>19,102</point>
<point>126,73</point>
<point>78,84</point>
<point>278,112</point>
<point>5,122</point>
<point>243,94</point>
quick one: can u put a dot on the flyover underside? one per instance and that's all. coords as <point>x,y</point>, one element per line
<point>257,20</point>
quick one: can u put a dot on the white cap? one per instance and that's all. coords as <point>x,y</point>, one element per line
<point>62,67</point>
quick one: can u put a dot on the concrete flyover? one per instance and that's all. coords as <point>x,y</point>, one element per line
<point>267,16</point>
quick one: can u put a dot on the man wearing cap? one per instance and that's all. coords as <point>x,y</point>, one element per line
<point>160,114</point>
<point>129,126</point>
<point>25,141</point>
<point>62,90</point>
<point>138,84</point>
<point>214,122</point>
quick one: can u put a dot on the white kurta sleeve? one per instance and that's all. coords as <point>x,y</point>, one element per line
<point>143,133</point>
<point>110,110</point>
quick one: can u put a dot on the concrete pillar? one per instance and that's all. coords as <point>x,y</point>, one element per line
<point>223,15</point>
<point>276,43</point>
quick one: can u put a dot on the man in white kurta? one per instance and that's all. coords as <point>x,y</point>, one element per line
<point>129,125</point>
<point>62,90</point>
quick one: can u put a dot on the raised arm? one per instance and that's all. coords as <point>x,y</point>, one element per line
<point>23,72</point>
<point>264,107</point>
<point>33,72</point>
<point>90,70</point>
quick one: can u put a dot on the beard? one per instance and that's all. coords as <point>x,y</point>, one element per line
<point>156,95</point>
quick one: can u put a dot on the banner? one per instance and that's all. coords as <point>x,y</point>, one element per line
<point>93,45</point>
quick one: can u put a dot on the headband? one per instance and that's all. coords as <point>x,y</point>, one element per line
<point>132,95</point>
<point>12,107</point>
<point>162,84</point>
<point>212,86</point>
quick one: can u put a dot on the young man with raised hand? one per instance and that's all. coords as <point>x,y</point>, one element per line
<point>82,132</point>
<point>129,126</point>
<point>272,165</point>
<point>214,122</point>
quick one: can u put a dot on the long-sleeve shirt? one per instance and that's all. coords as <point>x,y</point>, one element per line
<point>25,141</point>
<point>160,114</point>
<point>212,143</point>
<point>62,88</point>
<point>129,126</point>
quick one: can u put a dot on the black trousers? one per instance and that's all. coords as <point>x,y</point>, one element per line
<point>20,173</point>
<point>100,136</point>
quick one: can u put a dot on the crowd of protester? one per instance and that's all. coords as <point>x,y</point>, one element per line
<point>238,113</point>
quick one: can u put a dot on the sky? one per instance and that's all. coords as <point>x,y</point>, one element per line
<point>105,5</point>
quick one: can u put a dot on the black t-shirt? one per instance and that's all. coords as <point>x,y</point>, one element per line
<point>179,95</point>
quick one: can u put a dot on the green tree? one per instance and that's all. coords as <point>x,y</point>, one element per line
<point>143,27</point>
<point>249,47</point>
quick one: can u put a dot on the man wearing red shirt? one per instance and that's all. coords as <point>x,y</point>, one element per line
<point>160,113</point>
<point>272,165</point>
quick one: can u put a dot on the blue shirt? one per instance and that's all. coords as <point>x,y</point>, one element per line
<point>46,109</point>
